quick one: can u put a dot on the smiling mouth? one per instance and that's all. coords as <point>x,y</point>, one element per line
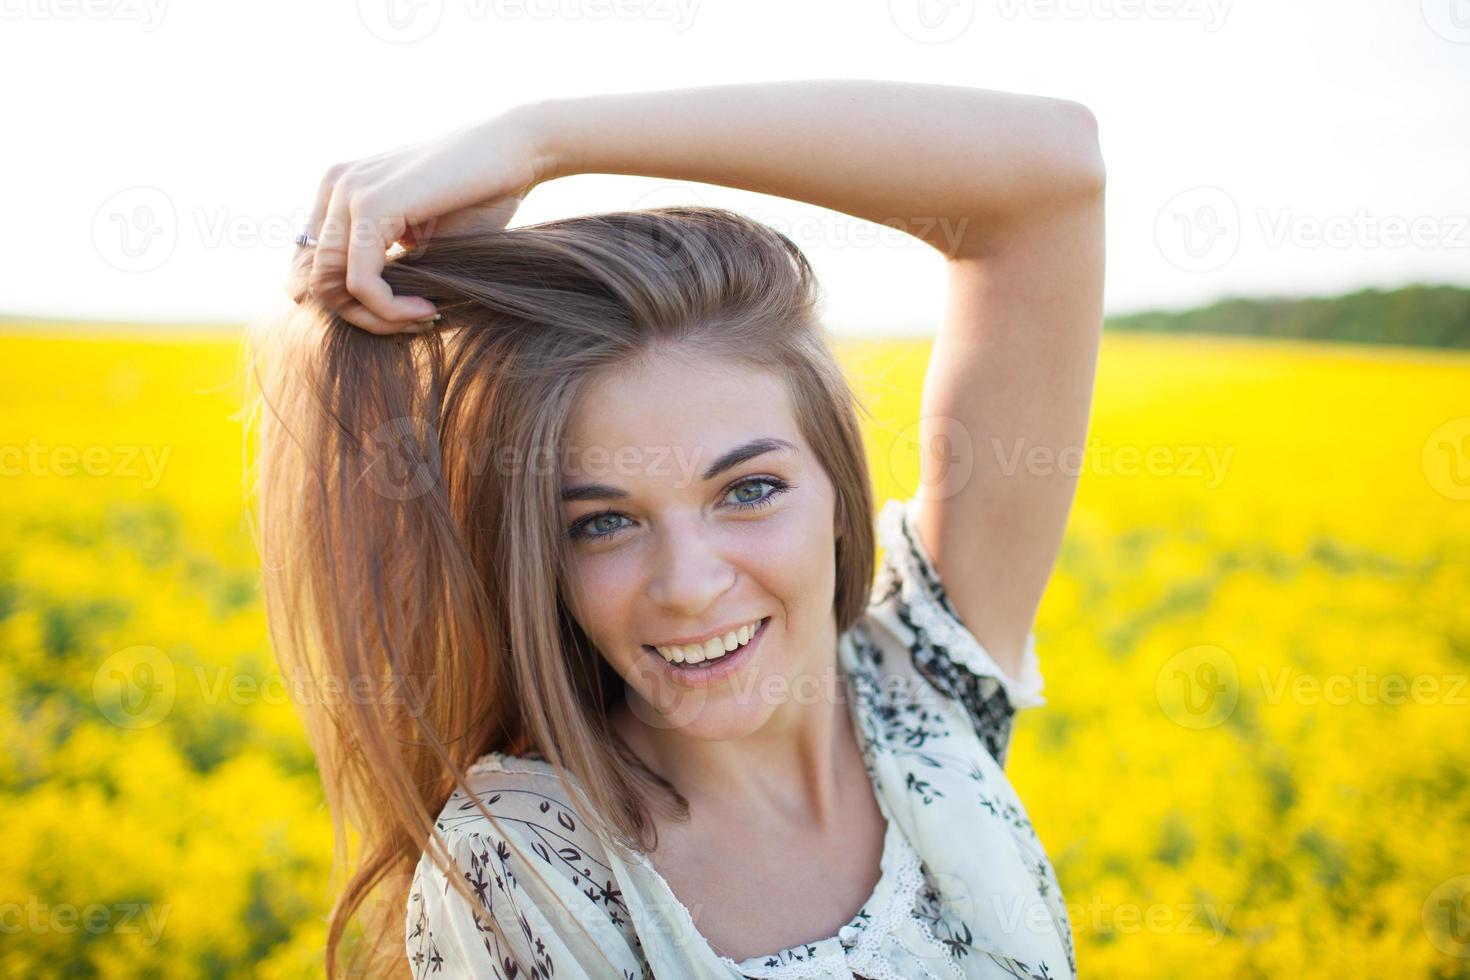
<point>711,662</point>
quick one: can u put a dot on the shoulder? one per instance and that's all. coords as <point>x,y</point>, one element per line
<point>535,869</point>
<point>523,790</point>
<point>534,821</point>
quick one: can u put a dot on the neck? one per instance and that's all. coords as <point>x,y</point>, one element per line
<point>790,770</point>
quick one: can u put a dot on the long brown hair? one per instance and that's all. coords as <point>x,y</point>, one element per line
<point>413,561</point>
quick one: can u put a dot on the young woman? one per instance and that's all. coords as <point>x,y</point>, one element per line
<point>575,521</point>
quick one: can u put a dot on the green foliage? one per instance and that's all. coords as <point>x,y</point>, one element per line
<point>1414,316</point>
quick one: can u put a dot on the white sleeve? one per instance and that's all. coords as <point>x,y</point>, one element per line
<point>544,929</point>
<point>446,936</point>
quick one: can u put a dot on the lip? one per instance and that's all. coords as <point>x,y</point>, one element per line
<point>711,671</point>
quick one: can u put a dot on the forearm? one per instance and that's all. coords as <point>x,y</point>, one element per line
<point>908,155</point>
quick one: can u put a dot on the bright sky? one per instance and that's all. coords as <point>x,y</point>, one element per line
<point>161,153</point>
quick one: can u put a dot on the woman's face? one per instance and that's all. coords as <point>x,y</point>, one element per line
<point>665,550</point>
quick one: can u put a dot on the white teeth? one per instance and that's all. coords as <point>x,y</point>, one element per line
<point>711,649</point>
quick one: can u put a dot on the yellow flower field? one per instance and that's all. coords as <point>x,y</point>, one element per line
<point>1256,650</point>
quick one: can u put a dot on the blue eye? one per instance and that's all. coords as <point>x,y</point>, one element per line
<point>577,533</point>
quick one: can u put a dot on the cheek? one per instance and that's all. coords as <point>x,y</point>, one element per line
<point>605,595</point>
<point>789,558</point>
<point>795,545</point>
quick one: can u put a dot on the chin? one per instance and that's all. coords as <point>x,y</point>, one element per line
<point>706,716</point>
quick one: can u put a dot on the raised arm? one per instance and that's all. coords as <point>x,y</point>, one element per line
<point>1010,188</point>
<point>953,166</point>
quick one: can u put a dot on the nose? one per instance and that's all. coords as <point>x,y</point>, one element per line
<point>690,571</point>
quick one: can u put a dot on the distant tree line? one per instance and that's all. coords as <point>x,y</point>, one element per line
<point>1419,316</point>
<point>1416,316</point>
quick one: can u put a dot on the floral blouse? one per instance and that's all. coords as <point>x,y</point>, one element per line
<point>966,888</point>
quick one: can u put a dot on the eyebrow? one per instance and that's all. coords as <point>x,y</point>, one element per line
<point>730,460</point>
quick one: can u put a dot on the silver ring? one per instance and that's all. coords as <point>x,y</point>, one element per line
<point>305,240</point>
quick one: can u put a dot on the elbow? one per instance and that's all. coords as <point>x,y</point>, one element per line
<point>1057,167</point>
<point>1059,162</point>
<point>1081,168</point>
